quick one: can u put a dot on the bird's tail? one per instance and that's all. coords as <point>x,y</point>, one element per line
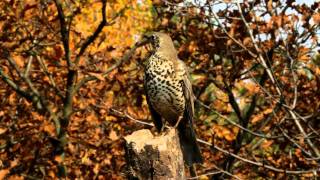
<point>188,142</point>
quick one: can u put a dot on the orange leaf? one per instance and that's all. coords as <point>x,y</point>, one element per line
<point>113,135</point>
<point>19,60</point>
<point>316,18</point>
<point>266,144</point>
<point>3,173</point>
<point>257,118</point>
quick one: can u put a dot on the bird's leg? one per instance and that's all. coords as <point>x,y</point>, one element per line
<point>163,126</point>
<point>177,124</point>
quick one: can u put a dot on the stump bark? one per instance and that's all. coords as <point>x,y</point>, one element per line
<point>151,156</point>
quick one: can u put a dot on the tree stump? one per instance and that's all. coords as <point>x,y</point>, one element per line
<point>154,157</point>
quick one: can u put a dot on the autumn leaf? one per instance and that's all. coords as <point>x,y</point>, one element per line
<point>113,135</point>
<point>3,173</point>
<point>316,18</point>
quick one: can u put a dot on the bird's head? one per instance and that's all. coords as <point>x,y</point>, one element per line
<point>159,40</point>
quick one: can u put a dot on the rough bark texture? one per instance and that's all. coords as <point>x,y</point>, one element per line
<point>154,157</point>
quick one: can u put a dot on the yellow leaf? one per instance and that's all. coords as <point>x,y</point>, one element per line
<point>96,168</point>
<point>110,118</point>
<point>203,177</point>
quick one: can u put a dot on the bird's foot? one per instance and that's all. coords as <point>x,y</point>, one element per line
<point>177,124</point>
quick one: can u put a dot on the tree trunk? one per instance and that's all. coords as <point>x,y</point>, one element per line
<point>154,157</point>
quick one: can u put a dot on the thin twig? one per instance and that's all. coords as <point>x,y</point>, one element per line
<point>217,172</point>
<point>257,163</point>
<point>295,143</point>
<point>226,32</point>
<point>35,97</point>
<point>274,81</point>
<point>237,125</point>
<point>92,38</point>
<point>28,67</point>
<point>123,114</point>
<point>48,74</point>
<point>125,58</point>
<point>14,86</point>
<point>296,121</point>
<point>314,171</point>
<point>64,32</point>
<point>262,60</point>
<point>104,22</point>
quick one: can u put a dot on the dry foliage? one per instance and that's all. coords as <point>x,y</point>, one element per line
<point>71,84</point>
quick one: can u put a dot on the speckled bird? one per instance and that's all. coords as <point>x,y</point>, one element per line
<point>169,94</point>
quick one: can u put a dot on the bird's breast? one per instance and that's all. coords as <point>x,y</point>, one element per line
<point>164,90</point>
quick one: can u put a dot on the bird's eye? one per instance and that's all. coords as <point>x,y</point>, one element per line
<point>154,37</point>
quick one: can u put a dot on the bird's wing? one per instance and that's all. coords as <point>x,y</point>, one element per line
<point>187,135</point>
<point>187,89</point>
<point>157,120</point>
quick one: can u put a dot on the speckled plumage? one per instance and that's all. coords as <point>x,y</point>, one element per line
<point>169,94</point>
<point>164,88</point>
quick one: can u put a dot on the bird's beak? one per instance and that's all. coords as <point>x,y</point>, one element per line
<point>145,39</point>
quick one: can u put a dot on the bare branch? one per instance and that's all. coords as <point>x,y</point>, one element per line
<point>26,72</point>
<point>235,124</point>
<point>296,121</point>
<point>125,58</point>
<point>91,38</point>
<point>48,74</point>
<point>122,114</point>
<point>99,29</point>
<point>295,143</point>
<point>314,171</point>
<point>217,172</point>
<point>64,32</point>
<point>262,60</point>
<point>21,75</point>
<point>226,32</point>
<point>38,101</point>
<point>14,86</point>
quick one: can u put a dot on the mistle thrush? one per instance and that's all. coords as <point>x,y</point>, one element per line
<point>169,94</point>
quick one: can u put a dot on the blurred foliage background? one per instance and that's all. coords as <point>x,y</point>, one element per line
<point>71,85</point>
